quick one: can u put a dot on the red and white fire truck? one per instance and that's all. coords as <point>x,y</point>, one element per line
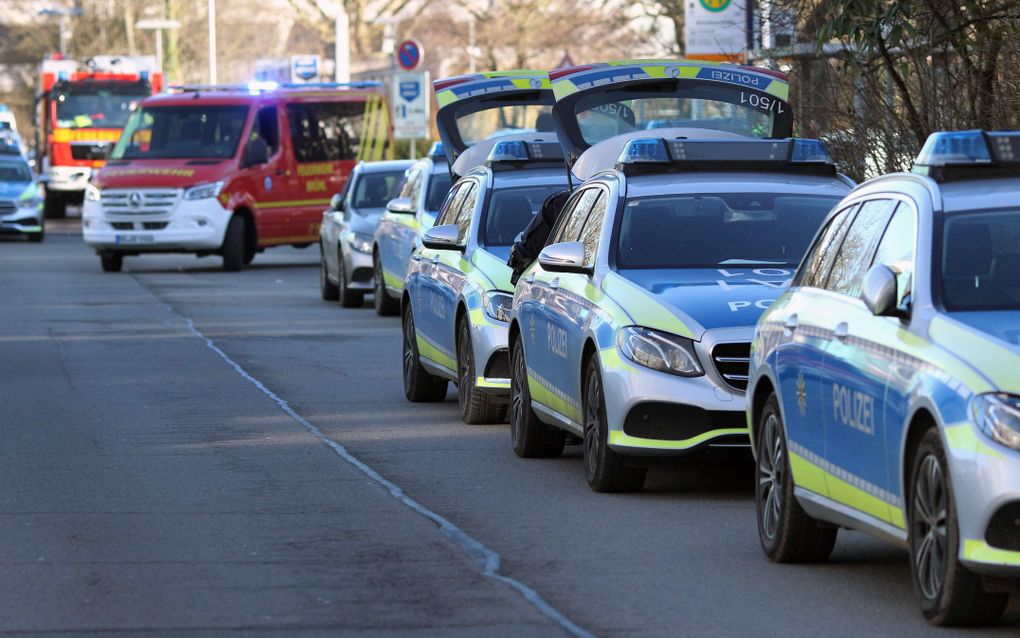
<point>81,111</point>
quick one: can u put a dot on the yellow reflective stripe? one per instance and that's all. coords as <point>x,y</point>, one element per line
<point>527,83</point>
<point>293,202</point>
<point>963,439</point>
<point>812,477</point>
<point>779,89</point>
<point>547,397</point>
<point>392,280</point>
<point>807,475</point>
<point>374,141</point>
<point>492,384</point>
<point>617,437</point>
<point>981,552</point>
<point>428,351</point>
<point>366,122</point>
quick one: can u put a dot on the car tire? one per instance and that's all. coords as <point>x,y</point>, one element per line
<point>327,288</point>
<point>385,305</point>
<point>348,298</point>
<point>111,261</point>
<point>949,594</point>
<point>605,470</point>
<point>233,244</point>
<point>420,386</point>
<point>476,407</point>
<point>786,532</point>
<point>530,437</point>
<point>54,205</point>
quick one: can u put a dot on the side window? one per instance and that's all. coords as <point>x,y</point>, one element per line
<point>855,252</point>
<point>467,209</point>
<point>450,208</point>
<point>326,131</point>
<point>592,230</point>
<point>817,262</point>
<point>267,126</point>
<point>896,249</point>
<point>573,219</point>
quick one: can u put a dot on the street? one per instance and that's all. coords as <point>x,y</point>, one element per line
<point>193,452</point>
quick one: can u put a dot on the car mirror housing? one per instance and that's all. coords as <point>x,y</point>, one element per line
<point>879,292</point>
<point>444,237</point>
<point>337,202</point>
<point>401,206</point>
<point>564,257</point>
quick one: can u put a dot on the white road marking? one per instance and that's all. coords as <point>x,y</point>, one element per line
<point>487,559</point>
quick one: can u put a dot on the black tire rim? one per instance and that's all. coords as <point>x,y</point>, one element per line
<point>410,349</point>
<point>380,289</point>
<point>930,532</point>
<point>592,422</point>
<point>464,365</point>
<point>771,468</point>
<point>341,274</point>
<point>517,380</point>
<point>323,277</point>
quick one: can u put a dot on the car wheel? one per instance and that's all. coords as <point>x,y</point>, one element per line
<point>949,594</point>
<point>786,532</point>
<point>54,205</point>
<point>605,470</point>
<point>385,305</point>
<point>348,298</point>
<point>327,288</point>
<point>420,386</point>
<point>111,261</point>
<point>233,244</point>
<point>475,407</point>
<point>530,437</point>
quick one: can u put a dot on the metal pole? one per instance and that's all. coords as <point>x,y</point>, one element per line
<point>212,41</point>
<point>159,49</point>
<point>471,44</point>
<point>63,35</point>
<point>341,44</point>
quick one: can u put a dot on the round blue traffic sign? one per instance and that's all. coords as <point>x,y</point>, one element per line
<point>409,55</point>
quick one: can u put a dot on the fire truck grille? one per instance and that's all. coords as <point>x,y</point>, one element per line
<point>91,151</point>
<point>139,202</point>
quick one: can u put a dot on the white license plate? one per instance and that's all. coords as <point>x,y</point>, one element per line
<point>123,240</point>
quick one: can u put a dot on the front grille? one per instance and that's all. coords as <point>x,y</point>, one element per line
<point>139,202</point>
<point>139,225</point>
<point>6,208</point>
<point>1004,529</point>
<point>154,225</point>
<point>732,361</point>
<point>362,275</point>
<point>673,422</point>
<point>123,225</point>
<point>498,366</point>
<point>93,151</point>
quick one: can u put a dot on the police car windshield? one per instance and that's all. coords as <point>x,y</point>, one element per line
<point>14,172</point>
<point>439,186</point>
<point>194,131</point>
<point>708,231</point>
<point>510,210</point>
<point>504,120</point>
<point>599,120</point>
<point>981,260</point>
<point>373,190</point>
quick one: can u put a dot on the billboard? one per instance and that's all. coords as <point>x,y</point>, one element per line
<point>716,30</point>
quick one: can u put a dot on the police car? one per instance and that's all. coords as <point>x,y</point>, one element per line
<point>633,329</point>
<point>346,235</point>
<point>21,204</point>
<point>884,385</point>
<point>457,292</point>
<point>412,212</point>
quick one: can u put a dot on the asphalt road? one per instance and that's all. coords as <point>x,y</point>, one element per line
<point>191,452</point>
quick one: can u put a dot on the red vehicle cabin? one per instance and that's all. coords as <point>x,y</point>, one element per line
<point>231,170</point>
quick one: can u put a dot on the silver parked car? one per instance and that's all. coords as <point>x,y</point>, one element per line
<point>348,226</point>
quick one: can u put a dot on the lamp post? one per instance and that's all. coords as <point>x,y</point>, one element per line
<point>212,41</point>
<point>341,44</point>
<point>63,14</point>
<point>158,25</point>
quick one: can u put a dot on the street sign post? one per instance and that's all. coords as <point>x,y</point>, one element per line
<point>410,106</point>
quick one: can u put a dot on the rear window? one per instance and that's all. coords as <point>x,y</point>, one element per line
<point>510,210</point>
<point>326,131</point>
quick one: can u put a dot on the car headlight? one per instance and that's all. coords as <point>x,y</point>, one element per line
<point>659,351</point>
<point>998,416</point>
<point>91,193</point>
<point>204,191</point>
<point>33,201</point>
<point>361,243</point>
<point>498,305</point>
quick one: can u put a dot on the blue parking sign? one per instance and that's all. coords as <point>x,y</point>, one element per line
<point>410,90</point>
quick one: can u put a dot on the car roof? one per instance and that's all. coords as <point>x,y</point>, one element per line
<point>968,194</point>
<point>385,166</point>
<point>736,182</point>
<point>227,96</point>
<point>512,178</point>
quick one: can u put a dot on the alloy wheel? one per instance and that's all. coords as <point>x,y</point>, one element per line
<point>930,534</point>
<point>771,464</point>
<point>592,410</point>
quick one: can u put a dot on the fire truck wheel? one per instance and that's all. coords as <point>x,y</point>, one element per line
<point>233,244</point>
<point>111,261</point>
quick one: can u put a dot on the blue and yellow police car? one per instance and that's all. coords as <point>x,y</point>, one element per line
<point>633,329</point>
<point>884,389</point>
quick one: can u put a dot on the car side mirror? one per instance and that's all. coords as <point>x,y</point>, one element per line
<point>564,257</point>
<point>401,206</point>
<point>445,237</point>
<point>336,202</point>
<point>256,153</point>
<point>880,292</point>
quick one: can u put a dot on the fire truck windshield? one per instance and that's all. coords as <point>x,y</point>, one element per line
<point>97,107</point>
<point>199,131</point>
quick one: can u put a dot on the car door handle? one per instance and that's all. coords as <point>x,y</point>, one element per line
<point>791,323</point>
<point>842,331</point>
<point>555,283</point>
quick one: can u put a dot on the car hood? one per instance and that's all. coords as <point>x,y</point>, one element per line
<point>166,173</point>
<point>364,220</point>
<point>698,299</point>
<point>491,261</point>
<point>13,190</point>
<point>989,341</point>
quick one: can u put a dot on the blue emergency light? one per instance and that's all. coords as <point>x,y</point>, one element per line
<point>509,151</point>
<point>948,155</point>
<point>646,154</point>
<point>645,151</point>
<point>437,151</point>
<point>809,151</point>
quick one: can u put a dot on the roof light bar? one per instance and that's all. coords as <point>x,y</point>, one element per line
<point>437,151</point>
<point>520,151</point>
<point>955,148</point>
<point>511,151</point>
<point>652,151</point>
